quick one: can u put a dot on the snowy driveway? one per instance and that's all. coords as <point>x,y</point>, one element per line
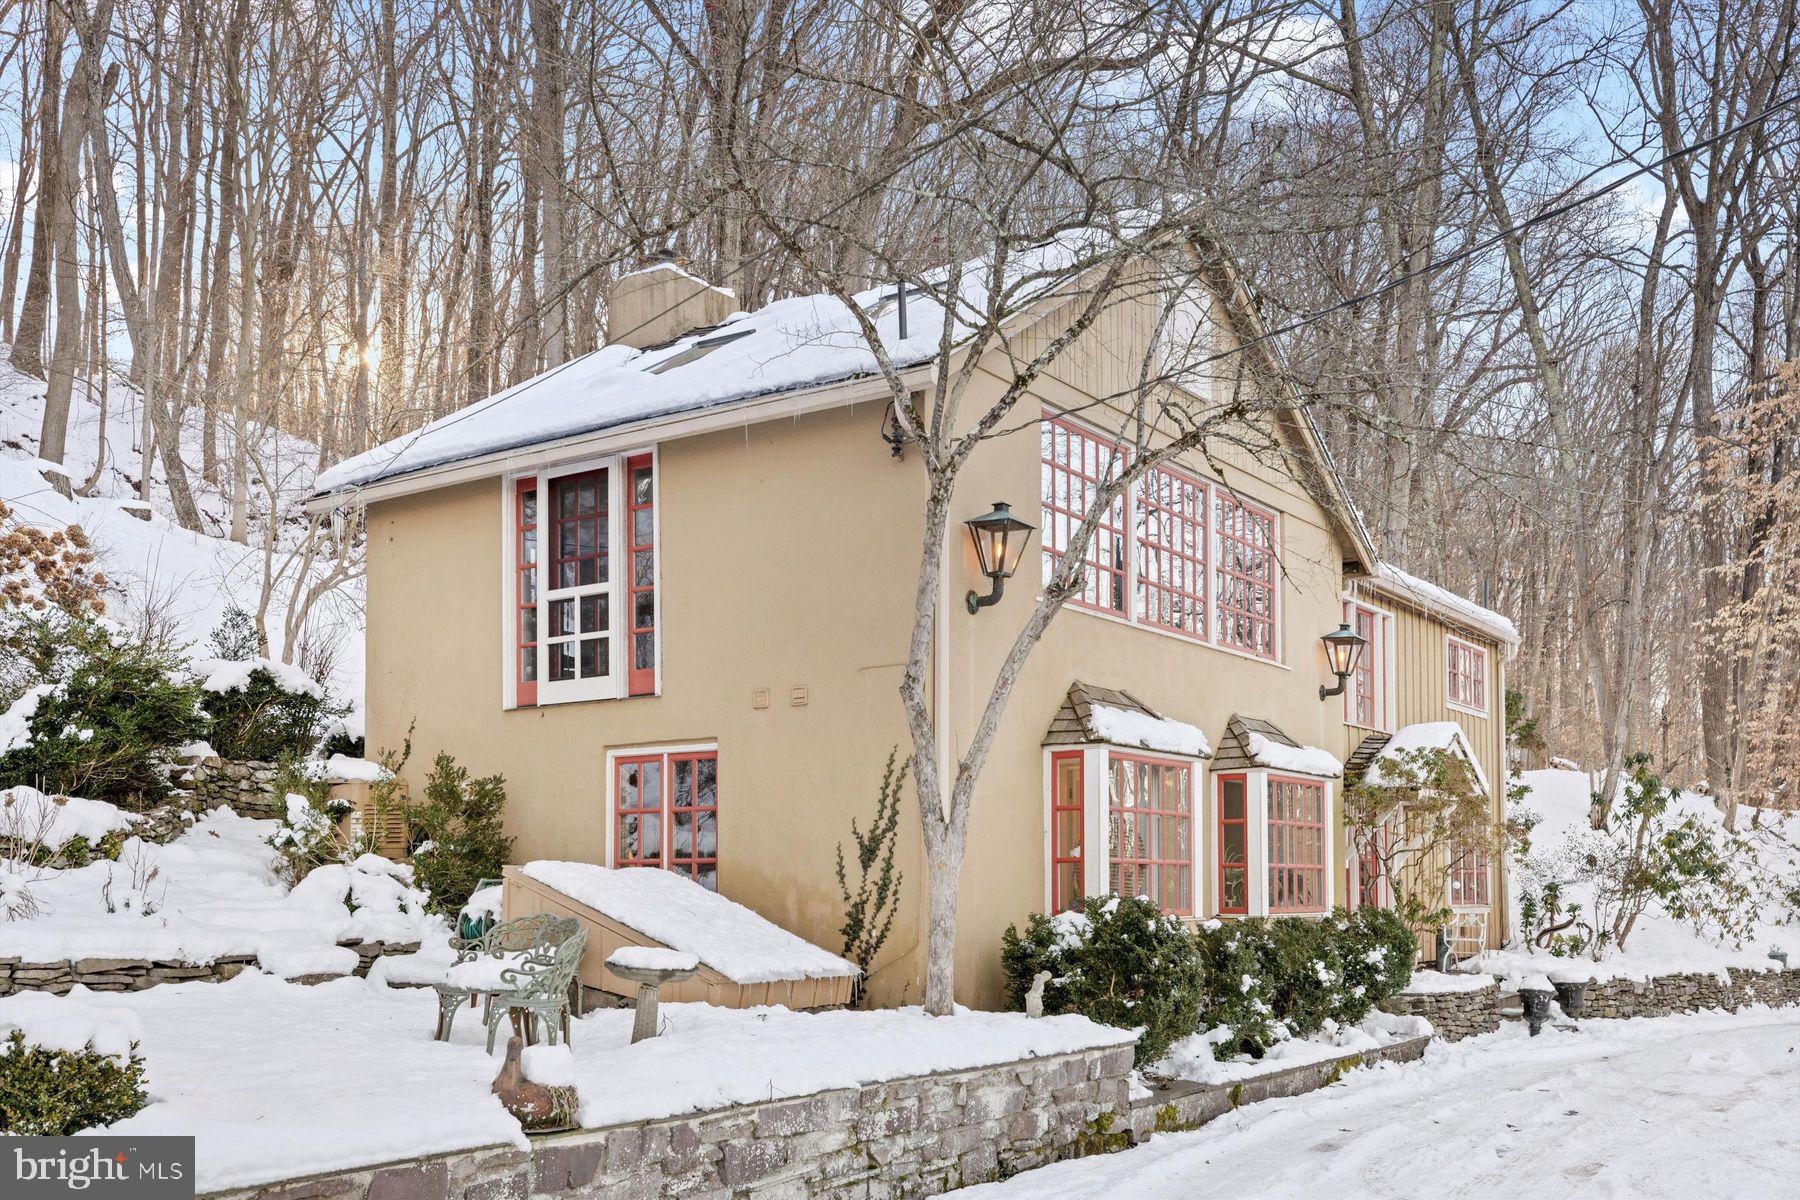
<point>1692,1106</point>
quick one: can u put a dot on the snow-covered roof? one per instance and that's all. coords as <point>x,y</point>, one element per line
<point>1444,603</point>
<point>1426,735</point>
<point>674,910</point>
<point>790,344</point>
<point>1092,715</point>
<point>1280,756</point>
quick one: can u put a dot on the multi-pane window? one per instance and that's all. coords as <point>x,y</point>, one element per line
<point>1368,872</point>
<point>1465,674</point>
<point>1246,576</point>
<point>577,642</point>
<point>1171,581</point>
<point>1077,464</point>
<point>1296,845</point>
<point>667,813</point>
<point>640,532</point>
<point>1151,831</point>
<point>1365,701</point>
<point>1234,845</point>
<point>1469,877</point>
<point>583,597</point>
<point>525,597</point>
<point>1066,793</point>
<point>1172,552</point>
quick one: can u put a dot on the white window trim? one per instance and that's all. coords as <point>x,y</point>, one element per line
<point>1213,487</point>
<point>1450,701</point>
<point>1390,697</point>
<point>610,790</point>
<point>614,685</point>
<point>1096,778</point>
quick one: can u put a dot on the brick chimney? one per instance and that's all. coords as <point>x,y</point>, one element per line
<point>661,302</point>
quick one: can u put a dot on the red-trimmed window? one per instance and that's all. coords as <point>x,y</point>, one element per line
<point>1296,845</point>
<point>640,537</point>
<point>1465,674</point>
<point>1151,825</point>
<point>667,813</point>
<point>1065,830</point>
<point>1234,845</point>
<point>525,606</point>
<point>1076,464</point>
<point>1368,871</point>
<point>1469,878</point>
<point>1171,544</point>
<point>577,643</point>
<point>1247,580</point>
<point>1365,701</point>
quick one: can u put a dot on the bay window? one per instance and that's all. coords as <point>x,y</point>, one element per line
<point>1174,552</point>
<point>1465,681</point>
<point>1296,842</point>
<point>583,622</point>
<point>1150,822</point>
<point>1234,845</point>
<point>1067,788</point>
<point>666,813</point>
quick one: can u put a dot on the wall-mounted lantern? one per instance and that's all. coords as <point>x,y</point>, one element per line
<point>1000,541</point>
<point>1343,647</point>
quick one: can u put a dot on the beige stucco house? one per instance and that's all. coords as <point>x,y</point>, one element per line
<point>666,589</point>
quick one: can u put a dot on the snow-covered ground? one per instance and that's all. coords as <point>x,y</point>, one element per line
<point>1659,944</point>
<point>211,892</point>
<point>1682,1107</point>
<point>276,1080</point>
<point>188,578</point>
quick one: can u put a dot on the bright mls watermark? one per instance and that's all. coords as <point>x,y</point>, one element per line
<point>97,1168</point>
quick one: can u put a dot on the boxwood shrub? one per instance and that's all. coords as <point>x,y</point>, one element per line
<point>1118,961</point>
<point>59,1092</point>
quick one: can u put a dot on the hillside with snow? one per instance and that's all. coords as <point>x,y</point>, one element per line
<point>188,579</point>
<point>1557,801</point>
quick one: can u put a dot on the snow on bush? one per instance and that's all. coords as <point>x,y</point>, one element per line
<point>28,815</point>
<point>66,1066</point>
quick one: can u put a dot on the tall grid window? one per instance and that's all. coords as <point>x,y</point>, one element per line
<point>640,537</point>
<point>1296,845</point>
<point>1365,702</point>
<point>1246,576</point>
<point>1173,552</point>
<point>1469,878</point>
<point>1076,463</point>
<point>580,566</point>
<point>1234,845</point>
<point>525,605</point>
<point>1066,792</point>
<point>667,813</point>
<point>1171,544</point>
<point>1466,674</point>
<point>1151,827</point>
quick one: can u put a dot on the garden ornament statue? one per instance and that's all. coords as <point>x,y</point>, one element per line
<point>1537,1007</point>
<point>1034,999</point>
<point>539,1108</point>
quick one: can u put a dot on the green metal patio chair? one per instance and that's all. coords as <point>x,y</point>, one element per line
<point>539,990</point>
<point>520,936</point>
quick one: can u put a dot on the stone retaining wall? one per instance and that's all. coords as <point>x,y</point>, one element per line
<point>136,974</point>
<point>905,1138</point>
<point>1454,1015</point>
<point>1666,994</point>
<point>247,786</point>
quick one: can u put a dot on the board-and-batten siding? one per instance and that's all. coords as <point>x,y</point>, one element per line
<point>1421,693</point>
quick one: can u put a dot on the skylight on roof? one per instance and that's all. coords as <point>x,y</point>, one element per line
<point>699,350</point>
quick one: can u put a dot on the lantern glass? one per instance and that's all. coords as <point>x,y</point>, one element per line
<point>1000,540</point>
<point>1343,649</point>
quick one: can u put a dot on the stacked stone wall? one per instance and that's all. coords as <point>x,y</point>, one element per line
<point>1453,1015</point>
<point>247,786</point>
<point>136,974</point>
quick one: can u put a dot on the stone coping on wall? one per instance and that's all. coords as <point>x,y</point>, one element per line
<point>917,1136</point>
<point>1187,1105</point>
<point>137,974</point>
